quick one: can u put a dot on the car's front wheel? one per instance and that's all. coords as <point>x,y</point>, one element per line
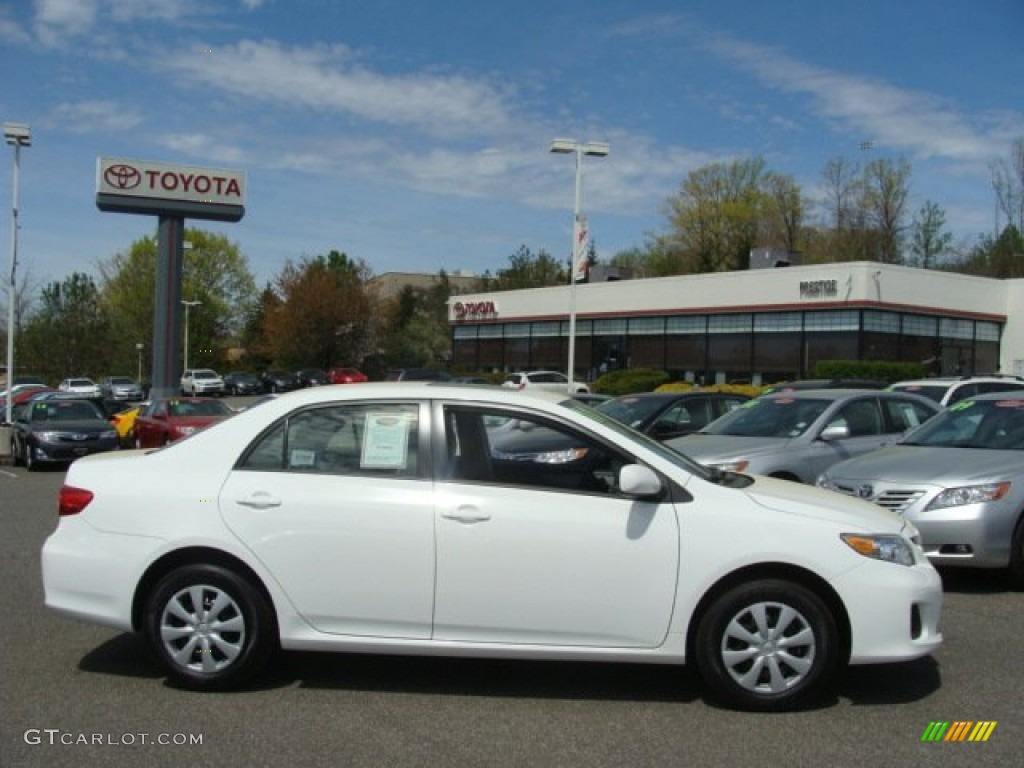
<point>767,645</point>
<point>1017,554</point>
<point>210,627</point>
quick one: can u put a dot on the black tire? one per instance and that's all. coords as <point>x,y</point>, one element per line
<point>218,650</point>
<point>30,463</point>
<point>1017,555</point>
<point>797,655</point>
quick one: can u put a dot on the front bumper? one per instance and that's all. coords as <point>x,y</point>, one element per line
<point>894,611</point>
<point>62,451</point>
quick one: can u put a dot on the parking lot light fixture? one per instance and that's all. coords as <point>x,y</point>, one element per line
<point>579,149</point>
<point>17,135</point>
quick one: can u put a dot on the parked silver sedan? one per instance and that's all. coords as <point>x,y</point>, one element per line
<point>798,435</point>
<point>959,479</point>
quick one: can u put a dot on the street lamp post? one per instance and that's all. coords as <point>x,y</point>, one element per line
<point>188,305</point>
<point>17,135</point>
<point>138,349</point>
<point>592,149</point>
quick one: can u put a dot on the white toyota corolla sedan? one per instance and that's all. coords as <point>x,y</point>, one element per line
<point>456,520</point>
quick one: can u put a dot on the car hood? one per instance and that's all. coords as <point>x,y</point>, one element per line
<point>711,448</point>
<point>816,503</point>
<point>194,421</point>
<point>930,465</point>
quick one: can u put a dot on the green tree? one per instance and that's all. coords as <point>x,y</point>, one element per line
<point>1001,258</point>
<point>215,272</point>
<point>715,218</point>
<point>884,204</point>
<point>526,270</point>
<point>928,238</point>
<point>415,332</point>
<point>69,333</point>
<point>322,313</point>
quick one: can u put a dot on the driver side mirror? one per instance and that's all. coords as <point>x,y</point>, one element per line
<point>834,432</point>
<point>640,481</point>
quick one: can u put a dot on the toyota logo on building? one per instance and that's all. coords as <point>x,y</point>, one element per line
<point>122,177</point>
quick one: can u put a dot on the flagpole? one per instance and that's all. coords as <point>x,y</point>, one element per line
<point>595,149</point>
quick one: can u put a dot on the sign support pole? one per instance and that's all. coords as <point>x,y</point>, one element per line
<point>166,372</point>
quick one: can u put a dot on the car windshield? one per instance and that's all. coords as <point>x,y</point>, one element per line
<point>932,391</point>
<point>189,408</point>
<point>630,409</point>
<point>56,410</point>
<point>781,416</point>
<point>676,458</point>
<point>989,424</point>
<point>204,375</point>
<point>80,383</point>
<point>122,380</point>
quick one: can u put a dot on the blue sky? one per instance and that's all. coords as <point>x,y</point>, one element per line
<point>415,135</point>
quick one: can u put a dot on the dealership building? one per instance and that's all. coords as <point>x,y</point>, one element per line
<point>758,326</point>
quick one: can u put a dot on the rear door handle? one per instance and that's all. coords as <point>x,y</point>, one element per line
<point>260,500</point>
<point>466,515</point>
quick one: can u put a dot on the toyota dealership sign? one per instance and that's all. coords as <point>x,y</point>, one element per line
<point>137,186</point>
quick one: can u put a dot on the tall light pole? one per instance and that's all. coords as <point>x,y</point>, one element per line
<point>188,305</point>
<point>579,233</point>
<point>17,135</point>
<point>139,346</point>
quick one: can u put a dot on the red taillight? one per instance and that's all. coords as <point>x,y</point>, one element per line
<point>72,500</point>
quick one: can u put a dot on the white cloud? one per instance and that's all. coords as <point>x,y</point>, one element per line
<point>202,146</point>
<point>57,20</point>
<point>92,116</point>
<point>11,31</point>
<point>326,78</point>
<point>920,123</point>
<point>164,10</point>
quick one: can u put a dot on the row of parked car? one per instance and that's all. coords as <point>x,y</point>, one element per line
<point>958,476</point>
<point>205,381</point>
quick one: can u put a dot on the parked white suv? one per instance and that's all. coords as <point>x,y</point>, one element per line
<point>947,391</point>
<point>549,380</point>
<point>202,381</point>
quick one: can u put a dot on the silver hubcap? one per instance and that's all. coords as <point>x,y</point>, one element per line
<point>768,647</point>
<point>202,629</point>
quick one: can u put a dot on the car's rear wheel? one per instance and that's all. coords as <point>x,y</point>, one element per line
<point>15,458</point>
<point>767,645</point>
<point>210,627</point>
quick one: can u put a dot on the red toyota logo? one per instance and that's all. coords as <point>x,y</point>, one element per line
<point>122,177</point>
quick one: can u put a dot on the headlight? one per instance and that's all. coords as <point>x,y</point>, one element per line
<point>969,494</point>
<point>186,431</point>
<point>110,434</point>
<point>47,437</point>
<point>889,548</point>
<point>826,483</point>
<point>731,466</point>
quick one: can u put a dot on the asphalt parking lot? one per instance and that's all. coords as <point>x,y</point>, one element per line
<point>77,695</point>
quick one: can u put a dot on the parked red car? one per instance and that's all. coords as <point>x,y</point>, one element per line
<point>168,419</point>
<point>342,375</point>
